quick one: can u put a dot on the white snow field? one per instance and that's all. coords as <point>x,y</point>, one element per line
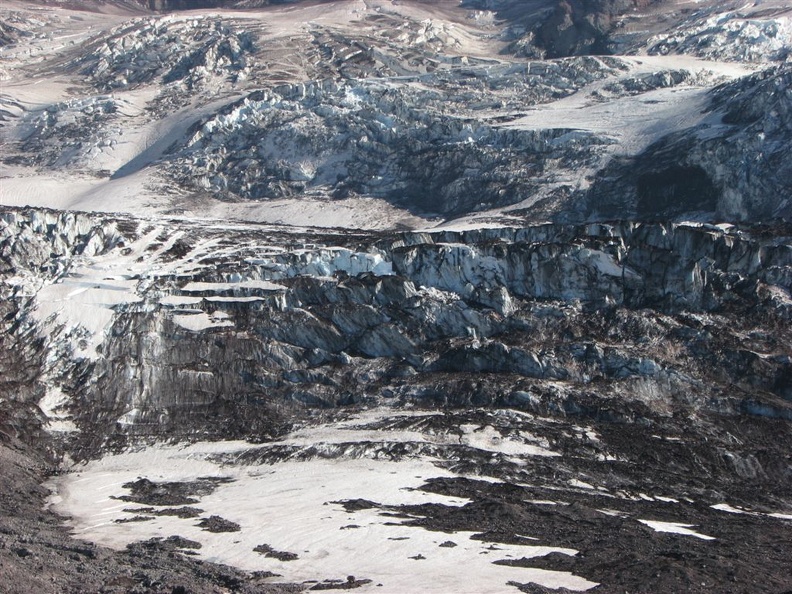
<point>675,528</point>
<point>295,507</point>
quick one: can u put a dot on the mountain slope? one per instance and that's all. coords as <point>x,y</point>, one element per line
<point>411,108</point>
<point>395,296</point>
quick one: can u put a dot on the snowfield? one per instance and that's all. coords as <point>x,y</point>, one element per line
<point>297,507</point>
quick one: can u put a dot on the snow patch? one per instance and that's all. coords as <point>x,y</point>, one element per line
<point>781,516</point>
<point>725,507</point>
<point>202,287</point>
<point>674,528</point>
<point>54,405</point>
<point>179,300</point>
<point>290,507</point>
<point>356,430</point>
<point>200,321</point>
<point>580,484</point>
<point>490,439</point>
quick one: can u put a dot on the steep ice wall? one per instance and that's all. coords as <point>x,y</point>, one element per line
<point>658,265</point>
<point>189,329</point>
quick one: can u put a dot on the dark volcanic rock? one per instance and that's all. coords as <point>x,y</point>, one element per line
<point>268,551</point>
<point>567,28</point>
<point>146,492</point>
<point>350,584</point>
<point>218,524</point>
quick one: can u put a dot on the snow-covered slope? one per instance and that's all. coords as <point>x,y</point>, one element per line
<point>395,296</point>
<point>348,109</point>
